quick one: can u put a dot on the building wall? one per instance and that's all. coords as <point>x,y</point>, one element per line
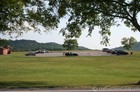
<point>3,51</point>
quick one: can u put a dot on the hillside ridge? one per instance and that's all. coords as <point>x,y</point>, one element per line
<point>135,48</point>
<point>31,45</point>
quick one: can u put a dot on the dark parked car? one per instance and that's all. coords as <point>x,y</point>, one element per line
<point>105,49</point>
<point>120,52</point>
<point>30,54</point>
<point>109,51</point>
<point>114,51</point>
<point>71,54</point>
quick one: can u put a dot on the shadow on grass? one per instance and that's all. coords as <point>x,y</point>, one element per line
<point>23,84</point>
<point>132,84</point>
<point>26,85</point>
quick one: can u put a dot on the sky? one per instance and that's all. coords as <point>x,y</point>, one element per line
<point>91,42</point>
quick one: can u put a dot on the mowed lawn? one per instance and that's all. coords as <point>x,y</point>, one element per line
<point>19,71</point>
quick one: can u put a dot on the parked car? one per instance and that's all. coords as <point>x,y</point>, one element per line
<point>109,51</point>
<point>71,54</point>
<point>30,54</point>
<point>121,52</point>
<point>105,49</point>
<point>114,51</point>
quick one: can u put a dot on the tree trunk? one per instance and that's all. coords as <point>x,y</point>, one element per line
<point>135,24</point>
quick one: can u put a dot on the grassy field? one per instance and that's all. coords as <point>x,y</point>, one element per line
<point>19,71</point>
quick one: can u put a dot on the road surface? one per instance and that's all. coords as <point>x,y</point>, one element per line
<point>114,90</point>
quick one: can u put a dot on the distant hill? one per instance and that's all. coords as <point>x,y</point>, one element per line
<point>31,45</point>
<point>136,47</point>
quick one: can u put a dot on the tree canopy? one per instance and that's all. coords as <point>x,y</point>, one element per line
<point>70,44</point>
<point>3,42</point>
<point>80,14</point>
<point>18,16</point>
<point>128,43</point>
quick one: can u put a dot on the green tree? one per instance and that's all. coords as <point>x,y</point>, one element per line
<point>103,13</point>
<point>18,16</point>
<point>128,42</point>
<point>70,44</point>
<point>80,14</point>
<point>3,42</point>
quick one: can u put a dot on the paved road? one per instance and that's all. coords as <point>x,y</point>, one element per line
<point>80,53</point>
<point>126,90</point>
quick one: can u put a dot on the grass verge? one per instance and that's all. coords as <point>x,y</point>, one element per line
<point>19,71</point>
